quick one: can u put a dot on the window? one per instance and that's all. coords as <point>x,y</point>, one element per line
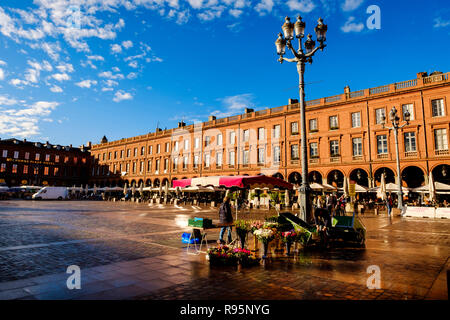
<point>120,168</point>
<point>27,156</point>
<point>197,143</point>
<point>357,147</point>
<point>379,115</point>
<point>158,148</point>
<point>5,153</point>
<point>115,154</point>
<point>207,141</point>
<point>261,155</point>
<point>121,154</point>
<point>410,108</point>
<point>157,165</point>
<point>440,139</point>
<point>231,158</point>
<point>141,167</point>
<point>56,158</point>
<point>36,170</point>
<point>134,167</point>
<point>166,164</point>
<point>186,144</point>
<point>128,153</point>
<point>142,151</point>
<point>410,141</point>
<point>207,160</point>
<point>276,154</point>
<point>16,154</point>
<point>66,159</point>
<point>75,160</point>
<point>334,148</point>
<point>25,169</point>
<point>109,156</point>
<point>175,146</point>
<point>150,149</point>
<point>55,171</point>
<point>3,167</point>
<point>219,159</point>
<point>45,171</point>
<point>219,139</point>
<point>313,125</point>
<point>196,158</point>
<point>185,161</point>
<point>245,157</point>
<point>246,135</point>
<point>356,119</point>
<point>47,157</point>
<point>437,106</point>
<point>37,157</point>
<point>104,156</point>
<point>135,152</point>
<point>175,163</point>
<point>127,168</point>
<point>382,147</point>
<point>261,133</point>
<point>232,137</point>
<point>149,165</point>
<point>276,131</point>
<point>294,128</point>
<point>334,123</point>
<point>294,152</point>
<point>14,168</point>
<point>167,146</point>
<point>313,150</point>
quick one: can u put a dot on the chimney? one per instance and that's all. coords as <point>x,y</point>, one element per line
<point>89,144</point>
<point>211,118</point>
<point>181,124</point>
<point>292,101</point>
<point>422,75</point>
<point>158,129</point>
<point>248,110</point>
<point>70,145</point>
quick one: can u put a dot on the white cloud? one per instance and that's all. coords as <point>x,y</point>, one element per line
<point>440,23</point>
<point>65,67</point>
<point>96,58</point>
<point>86,83</point>
<point>351,26</point>
<point>5,101</point>
<point>110,83</point>
<point>234,105</point>
<point>107,89</point>
<point>55,88</point>
<point>235,12</point>
<point>116,48</point>
<point>122,95</point>
<point>133,64</point>
<point>110,75</point>
<point>350,5</point>
<point>132,75</point>
<point>2,63</point>
<point>61,77</point>
<point>265,6</point>
<point>127,44</point>
<point>196,4</point>
<point>2,74</point>
<point>301,5</point>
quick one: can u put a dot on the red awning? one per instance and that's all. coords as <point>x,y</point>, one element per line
<point>235,181</point>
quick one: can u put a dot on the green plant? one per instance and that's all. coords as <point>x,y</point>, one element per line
<point>263,195</point>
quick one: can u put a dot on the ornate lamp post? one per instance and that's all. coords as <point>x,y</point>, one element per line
<point>300,58</point>
<point>395,120</point>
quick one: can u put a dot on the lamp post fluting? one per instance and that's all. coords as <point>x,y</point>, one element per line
<point>300,58</point>
<point>395,120</point>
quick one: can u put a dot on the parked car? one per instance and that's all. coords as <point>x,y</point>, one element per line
<point>51,193</point>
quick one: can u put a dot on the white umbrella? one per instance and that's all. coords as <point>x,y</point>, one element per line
<point>133,189</point>
<point>125,188</point>
<point>160,189</point>
<point>166,188</point>
<point>432,189</point>
<point>141,188</point>
<point>381,193</point>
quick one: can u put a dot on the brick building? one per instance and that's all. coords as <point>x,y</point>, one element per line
<point>345,138</point>
<point>33,163</point>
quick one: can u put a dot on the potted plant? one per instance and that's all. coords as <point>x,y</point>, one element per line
<point>264,235</point>
<point>289,237</point>
<point>245,257</point>
<point>222,255</point>
<point>242,229</point>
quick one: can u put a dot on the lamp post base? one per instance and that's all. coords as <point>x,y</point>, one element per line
<point>305,203</point>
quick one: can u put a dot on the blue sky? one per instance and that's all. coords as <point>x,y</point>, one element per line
<point>72,71</point>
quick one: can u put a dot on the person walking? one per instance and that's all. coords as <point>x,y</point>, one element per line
<point>226,219</point>
<point>389,204</point>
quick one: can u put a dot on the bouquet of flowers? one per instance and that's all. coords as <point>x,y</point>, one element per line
<point>255,225</point>
<point>289,236</point>
<point>222,255</point>
<point>245,257</point>
<point>264,235</point>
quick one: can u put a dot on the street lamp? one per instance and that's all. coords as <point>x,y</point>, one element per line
<point>300,58</point>
<point>395,120</point>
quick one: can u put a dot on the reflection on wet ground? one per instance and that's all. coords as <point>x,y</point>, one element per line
<point>134,251</point>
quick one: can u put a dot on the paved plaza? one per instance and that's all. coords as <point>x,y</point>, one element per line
<point>134,251</point>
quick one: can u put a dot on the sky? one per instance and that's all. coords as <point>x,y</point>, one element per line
<point>72,71</point>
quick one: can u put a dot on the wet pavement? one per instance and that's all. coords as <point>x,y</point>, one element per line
<point>134,251</point>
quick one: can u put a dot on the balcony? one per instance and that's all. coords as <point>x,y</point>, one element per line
<point>441,152</point>
<point>294,161</point>
<point>335,158</point>
<point>382,156</point>
<point>411,154</point>
<point>357,158</point>
<point>314,160</point>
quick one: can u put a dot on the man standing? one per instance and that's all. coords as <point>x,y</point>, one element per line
<point>226,219</point>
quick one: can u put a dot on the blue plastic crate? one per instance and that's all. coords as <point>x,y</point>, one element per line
<point>185,239</point>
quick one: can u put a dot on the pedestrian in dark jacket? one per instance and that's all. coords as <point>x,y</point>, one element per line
<point>225,217</point>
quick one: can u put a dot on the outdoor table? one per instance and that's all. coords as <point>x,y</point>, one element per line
<point>204,239</point>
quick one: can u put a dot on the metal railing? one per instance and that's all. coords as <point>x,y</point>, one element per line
<point>405,84</point>
<point>379,90</point>
<point>333,98</point>
<point>356,94</point>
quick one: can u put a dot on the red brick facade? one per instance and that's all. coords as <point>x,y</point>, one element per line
<point>353,144</point>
